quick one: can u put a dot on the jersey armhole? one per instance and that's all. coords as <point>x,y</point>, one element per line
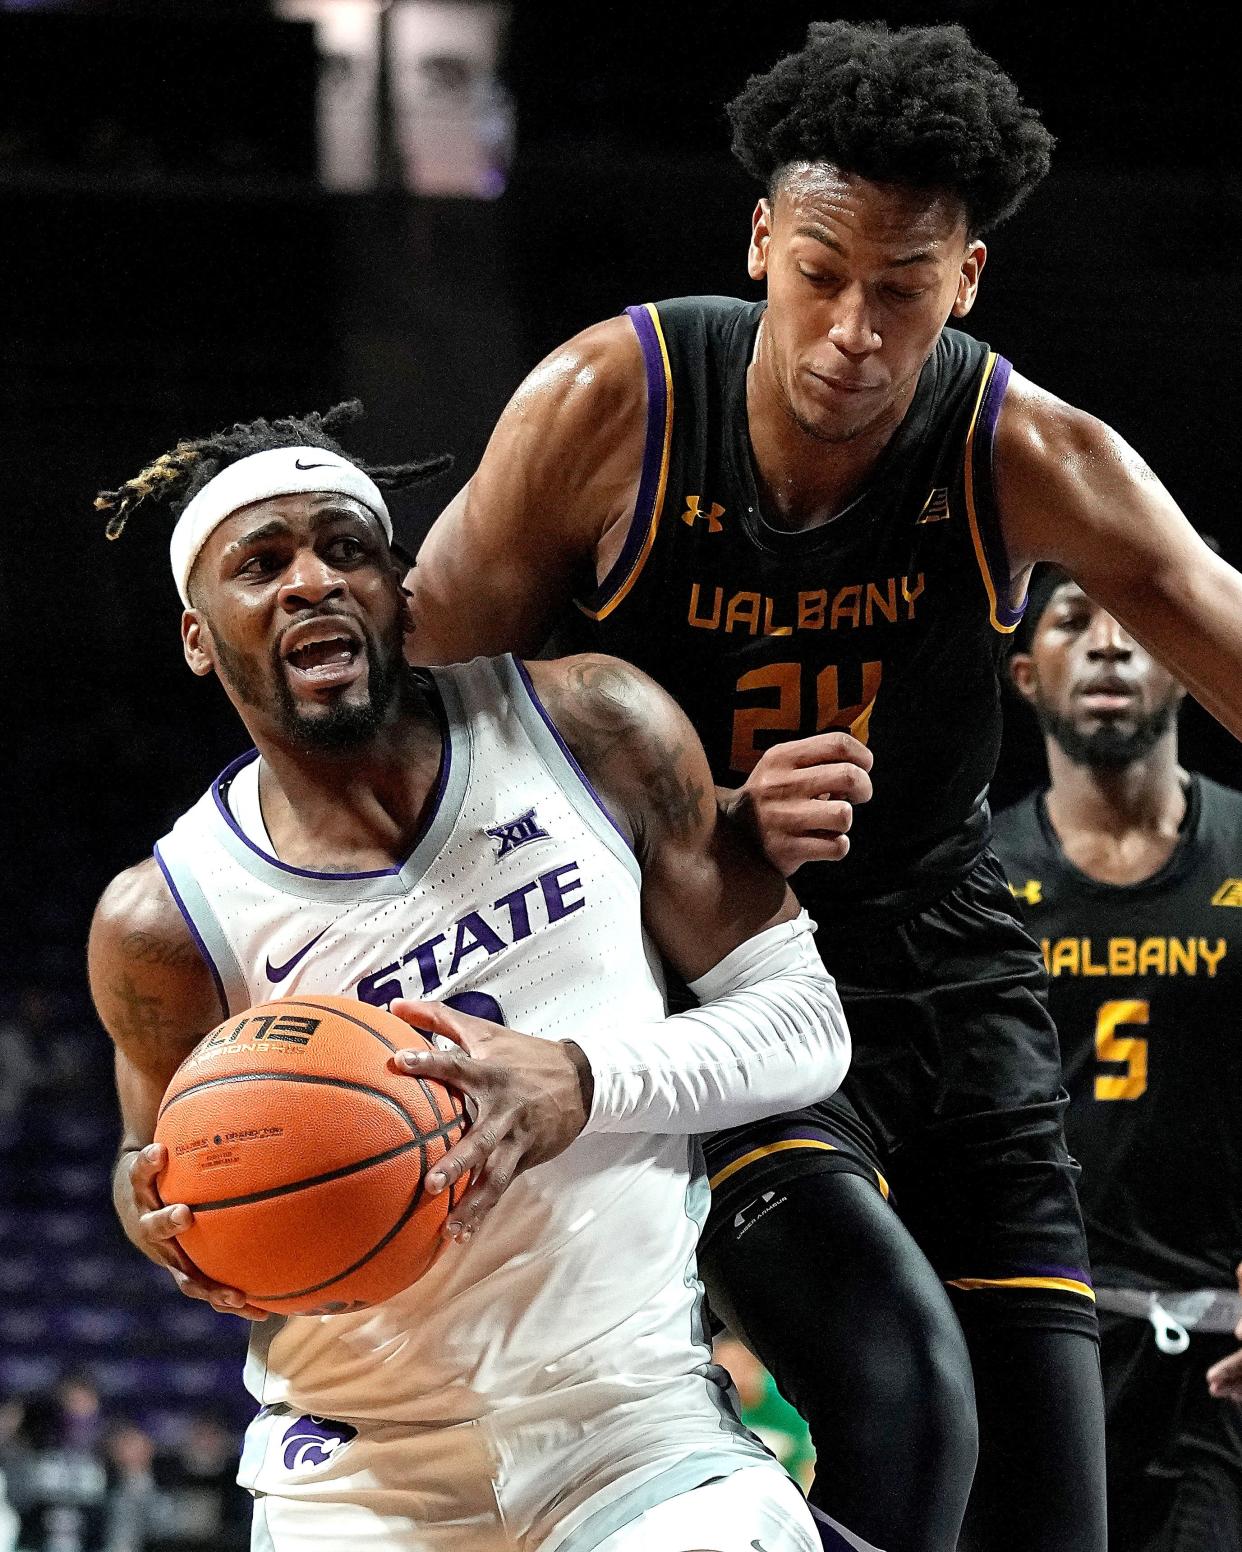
<point>624,571</point>
<point>559,759</point>
<point>204,928</point>
<point>981,506</point>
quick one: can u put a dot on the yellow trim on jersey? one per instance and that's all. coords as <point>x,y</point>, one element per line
<point>653,522</point>
<point>972,514</point>
<point>727,1173</point>
<point>1064,1284</point>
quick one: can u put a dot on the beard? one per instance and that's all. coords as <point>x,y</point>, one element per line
<point>330,729</point>
<point>1107,747</point>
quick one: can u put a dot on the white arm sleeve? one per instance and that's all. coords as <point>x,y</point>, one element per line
<point>770,1035</point>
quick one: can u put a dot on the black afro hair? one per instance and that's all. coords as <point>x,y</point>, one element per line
<point>920,106</point>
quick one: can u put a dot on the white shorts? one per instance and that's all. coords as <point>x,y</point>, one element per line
<point>756,1509</point>
<point>545,1477</point>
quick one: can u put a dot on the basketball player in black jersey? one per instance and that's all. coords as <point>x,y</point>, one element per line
<point>1130,874</point>
<point>813,521</point>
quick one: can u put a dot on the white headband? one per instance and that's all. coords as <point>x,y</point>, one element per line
<point>281,471</point>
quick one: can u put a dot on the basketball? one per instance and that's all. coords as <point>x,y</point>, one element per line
<point>302,1154</point>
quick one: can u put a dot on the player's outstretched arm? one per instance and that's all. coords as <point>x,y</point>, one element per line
<point>560,472</point>
<point>156,998</point>
<point>770,1033</point>
<point>1071,491</point>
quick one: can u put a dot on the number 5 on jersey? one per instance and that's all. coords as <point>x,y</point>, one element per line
<point>1130,1049</point>
<point>791,712</point>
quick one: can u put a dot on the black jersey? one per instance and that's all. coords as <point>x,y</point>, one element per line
<point>1146,991</point>
<point>888,621</point>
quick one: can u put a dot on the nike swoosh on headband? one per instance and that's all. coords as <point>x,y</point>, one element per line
<point>279,972</point>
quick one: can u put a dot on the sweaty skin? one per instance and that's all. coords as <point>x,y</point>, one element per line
<point>861,278</point>
<point>300,572</point>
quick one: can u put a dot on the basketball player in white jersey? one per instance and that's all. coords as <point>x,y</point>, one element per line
<point>486,849</point>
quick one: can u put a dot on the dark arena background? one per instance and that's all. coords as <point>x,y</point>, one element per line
<point>210,212</point>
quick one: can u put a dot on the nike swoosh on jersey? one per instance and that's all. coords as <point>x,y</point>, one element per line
<point>298,464</point>
<point>279,972</point>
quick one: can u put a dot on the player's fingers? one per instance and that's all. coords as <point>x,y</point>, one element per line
<point>484,1192</point>
<point>470,1154</point>
<point>225,1301</point>
<point>162,1223</point>
<point>453,1067</point>
<point>435,1018</point>
<point>812,848</point>
<point>1225,1378</point>
<point>191,1282</point>
<point>823,749</point>
<point>814,817</point>
<point>849,782</point>
<point>143,1169</point>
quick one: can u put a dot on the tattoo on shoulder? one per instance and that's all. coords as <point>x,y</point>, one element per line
<point>598,699</point>
<point>599,720</point>
<point>145,948</point>
<point>140,1021</point>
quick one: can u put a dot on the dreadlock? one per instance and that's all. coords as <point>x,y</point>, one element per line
<point>175,478</point>
<point>920,106</point>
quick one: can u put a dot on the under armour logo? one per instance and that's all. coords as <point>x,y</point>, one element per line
<point>1032,892</point>
<point>711,517</point>
<point>936,507</point>
<point>750,1206</point>
<point>517,832</point>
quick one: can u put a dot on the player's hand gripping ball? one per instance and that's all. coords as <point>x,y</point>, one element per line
<point>303,1153</point>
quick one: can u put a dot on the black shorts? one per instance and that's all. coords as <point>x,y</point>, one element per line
<point>953,1100</point>
<point>1174,1451</point>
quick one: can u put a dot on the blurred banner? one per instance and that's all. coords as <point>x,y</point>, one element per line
<point>410,85</point>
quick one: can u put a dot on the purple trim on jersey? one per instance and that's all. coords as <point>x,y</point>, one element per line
<point>446,761</point>
<point>985,493</point>
<point>194,932</point>
<point>568,752</point>
<point>653,457</point>
<point>1074,1274</point>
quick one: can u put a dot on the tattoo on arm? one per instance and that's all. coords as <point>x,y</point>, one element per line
<point>676,797</point>
<point>599,721</point>
<point>145,948</point>
<point>139,1022</point>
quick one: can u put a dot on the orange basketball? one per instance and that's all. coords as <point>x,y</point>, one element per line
<point>302,1153</point>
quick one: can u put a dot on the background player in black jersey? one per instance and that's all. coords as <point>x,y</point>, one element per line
<point>813,522</point>
<point>1130,873</point>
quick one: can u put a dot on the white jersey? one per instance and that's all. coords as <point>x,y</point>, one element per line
<point>521,899</point>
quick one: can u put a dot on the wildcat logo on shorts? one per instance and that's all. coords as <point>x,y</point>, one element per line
<point>313,1441</point>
